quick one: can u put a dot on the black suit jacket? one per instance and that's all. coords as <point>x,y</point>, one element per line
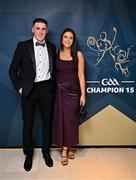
<point>22,70</point>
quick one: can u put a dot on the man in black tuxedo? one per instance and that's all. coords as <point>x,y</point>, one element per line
<point>32,74</point>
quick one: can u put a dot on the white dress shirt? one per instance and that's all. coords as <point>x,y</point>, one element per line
<point>42,62</point>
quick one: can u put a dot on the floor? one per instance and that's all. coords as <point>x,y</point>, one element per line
<point>89,164</point>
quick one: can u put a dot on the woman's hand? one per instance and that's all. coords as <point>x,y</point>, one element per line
<point>82,100</point>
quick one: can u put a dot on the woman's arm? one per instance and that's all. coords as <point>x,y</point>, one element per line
<point>81,76</point>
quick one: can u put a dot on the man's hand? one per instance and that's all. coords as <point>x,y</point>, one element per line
<point>20,91</point>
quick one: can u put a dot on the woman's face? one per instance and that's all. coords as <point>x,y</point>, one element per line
<point>67,39</point>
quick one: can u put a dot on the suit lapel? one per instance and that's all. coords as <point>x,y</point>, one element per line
<point>50,57</point>
<point>31,50</point>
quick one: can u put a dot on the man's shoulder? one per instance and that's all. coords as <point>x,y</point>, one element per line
<point>26,42</point>
<point>50,44</point>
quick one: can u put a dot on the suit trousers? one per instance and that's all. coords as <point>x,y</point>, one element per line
<point>41,94</point>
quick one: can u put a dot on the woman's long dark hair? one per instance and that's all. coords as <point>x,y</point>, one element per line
<point>73,52</point>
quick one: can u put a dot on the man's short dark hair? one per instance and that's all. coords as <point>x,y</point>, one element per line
<point>40,20</point>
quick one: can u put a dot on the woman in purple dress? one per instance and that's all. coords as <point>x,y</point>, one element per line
<point>70,94</point>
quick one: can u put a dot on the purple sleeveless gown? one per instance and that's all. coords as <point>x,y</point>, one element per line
<point>67,104</point>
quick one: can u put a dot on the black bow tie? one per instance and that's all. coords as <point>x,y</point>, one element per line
<point>40,44</point>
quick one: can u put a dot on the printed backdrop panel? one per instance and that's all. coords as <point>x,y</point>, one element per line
<point>106,33</point>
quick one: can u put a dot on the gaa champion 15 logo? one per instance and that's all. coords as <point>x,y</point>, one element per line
<point>110,85</point>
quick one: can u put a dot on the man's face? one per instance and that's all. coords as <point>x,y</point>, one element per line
<point>39,30</point>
